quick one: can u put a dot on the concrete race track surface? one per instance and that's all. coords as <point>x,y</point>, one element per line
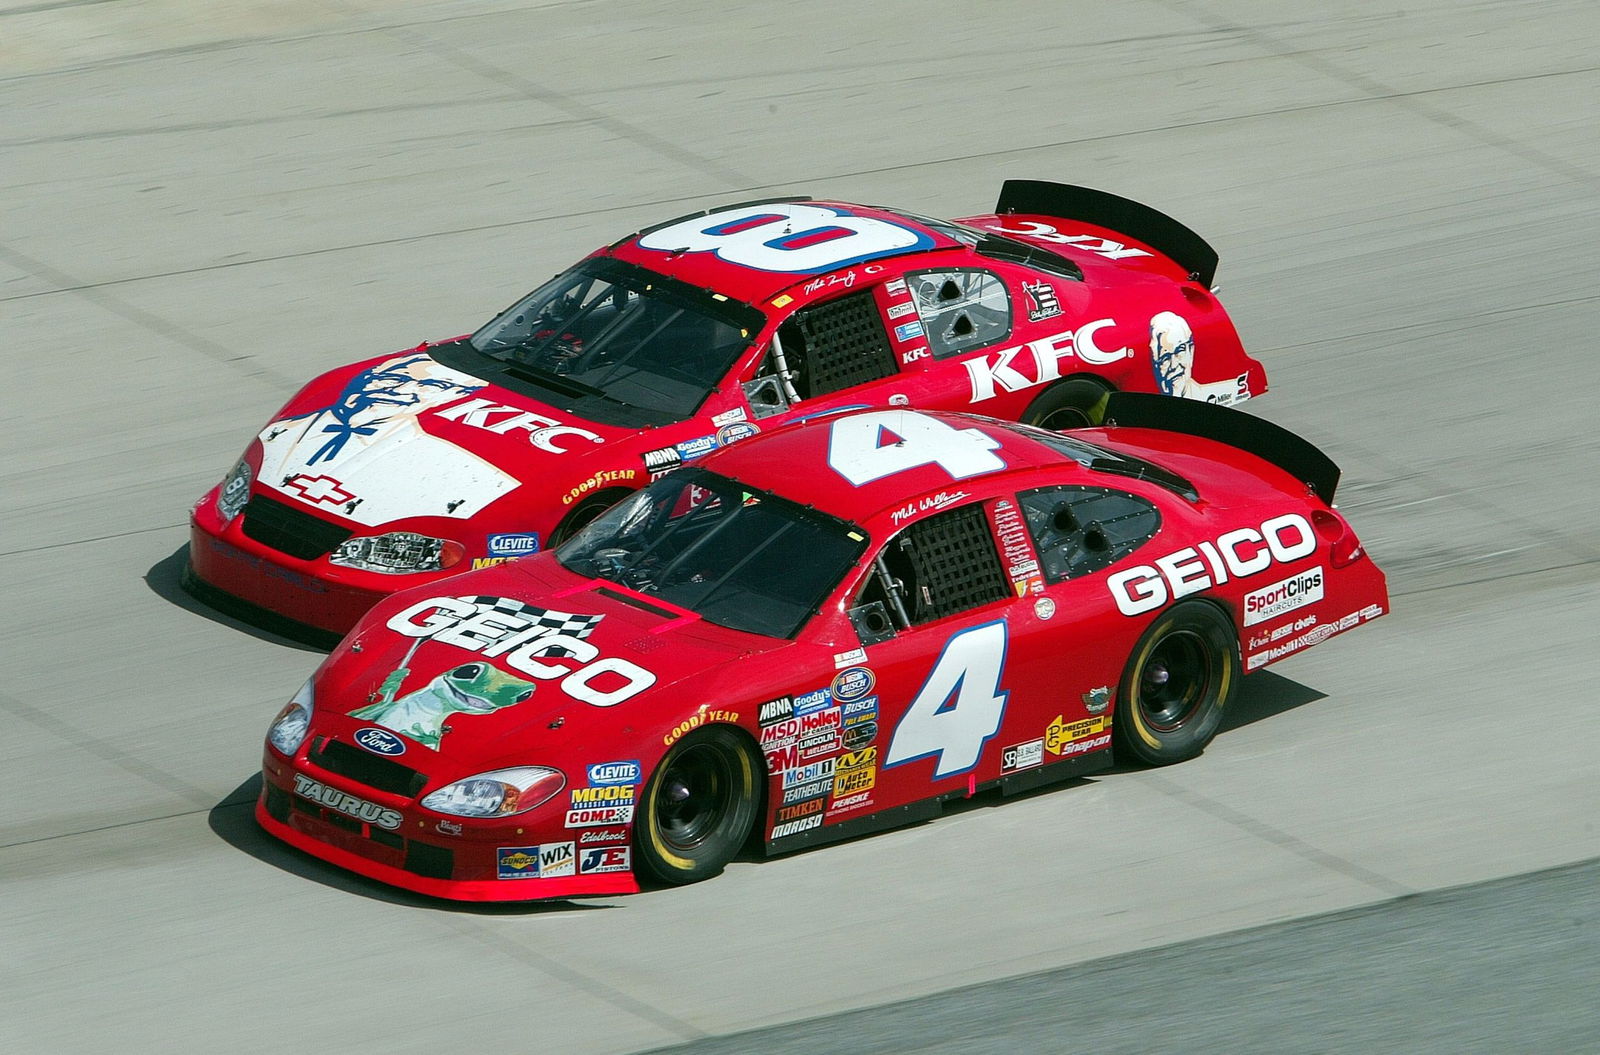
<point>202,205</point>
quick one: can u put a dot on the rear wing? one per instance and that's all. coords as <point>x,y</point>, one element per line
<point>1246,432</point>
<point>1155,229</point>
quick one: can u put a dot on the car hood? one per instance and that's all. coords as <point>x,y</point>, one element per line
<point>472,667</point>
<point>407,436</point>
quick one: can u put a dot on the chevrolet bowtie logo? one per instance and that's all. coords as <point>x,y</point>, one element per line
<point>318,489</point>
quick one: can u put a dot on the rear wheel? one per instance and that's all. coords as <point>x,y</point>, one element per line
<point>1182,673</point>
<point>1068,405</point>
<point>699,807</point>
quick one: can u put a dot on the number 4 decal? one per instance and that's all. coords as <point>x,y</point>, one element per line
<point>867,447</point>
<point>959,707</point>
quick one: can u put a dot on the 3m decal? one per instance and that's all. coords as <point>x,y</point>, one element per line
<point>867,447</point>
<point>787,237</point>
<point>535,641</point>
<point>1240,553</point>
<point>345,803</point>
<point>959,707</point>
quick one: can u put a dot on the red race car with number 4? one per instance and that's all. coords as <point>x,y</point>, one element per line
<point>688,337</point>
<point>830,629</point>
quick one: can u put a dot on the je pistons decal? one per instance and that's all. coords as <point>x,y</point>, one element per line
<point>541,643</point>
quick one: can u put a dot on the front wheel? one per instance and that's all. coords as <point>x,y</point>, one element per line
<point>1182,673</point>
<point>698,808</point>
<point>1068,405</point>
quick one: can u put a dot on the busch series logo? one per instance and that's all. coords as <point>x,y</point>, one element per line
<point>1294,592</point>
<point>1240,553</point>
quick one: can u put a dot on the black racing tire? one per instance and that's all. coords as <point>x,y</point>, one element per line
<point>1070,404</point>
<point>1183,672</point>
<point>699,806</point>
<point>583,513</point>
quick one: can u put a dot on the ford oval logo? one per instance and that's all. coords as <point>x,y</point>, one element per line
<point>380,741</point>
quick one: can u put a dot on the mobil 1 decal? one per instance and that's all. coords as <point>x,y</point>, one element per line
<point>960,705</point>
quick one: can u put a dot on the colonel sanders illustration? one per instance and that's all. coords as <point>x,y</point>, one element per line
<point>368,458</point>
<point>1172,355</point>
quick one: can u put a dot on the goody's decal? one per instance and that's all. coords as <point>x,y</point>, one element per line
<point>1239,553</point>
<point>513,545</point>
<point>380,741</point>
<point>541,643</point>
<point>605,773</point>
<point>787,237</point>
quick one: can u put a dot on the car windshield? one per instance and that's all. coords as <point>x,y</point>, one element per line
<point>615,331</point>
<point>740,558</point>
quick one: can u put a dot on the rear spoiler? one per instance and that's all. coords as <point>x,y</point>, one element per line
<point>1155,229</point>
<point>1246,432</point>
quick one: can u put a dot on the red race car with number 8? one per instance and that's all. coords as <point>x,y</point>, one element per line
<point>687,337</point>
<point>830,629</point>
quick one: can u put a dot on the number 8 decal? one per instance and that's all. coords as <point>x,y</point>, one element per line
<point>787,238</point>
<point>959,707</point>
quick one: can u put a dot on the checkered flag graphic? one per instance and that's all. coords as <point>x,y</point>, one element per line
<point>564,623</point>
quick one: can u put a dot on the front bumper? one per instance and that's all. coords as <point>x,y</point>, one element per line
<point>414,855</point>
<point>229,570</point>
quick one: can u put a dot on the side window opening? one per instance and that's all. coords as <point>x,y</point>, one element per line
<point>823,349</point>
<point>937,567</point>
<point>1080,530</point>
<point>961,309</point>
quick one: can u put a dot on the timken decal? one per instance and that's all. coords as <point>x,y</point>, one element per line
<point>1239,553</point>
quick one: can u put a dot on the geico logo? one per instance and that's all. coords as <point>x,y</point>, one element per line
<point>1240,553</point>
<point>595,796</point>
<point>524,635</point>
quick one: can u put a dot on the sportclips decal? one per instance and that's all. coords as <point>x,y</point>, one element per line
<point>787,237</point>
<point>1238,553</point>
<point>544,644</point>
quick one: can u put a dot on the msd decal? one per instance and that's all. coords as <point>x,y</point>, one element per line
<point>527,636</point>
<point>1239,553</point>
<point>500,419</point>
<point>993,373</point>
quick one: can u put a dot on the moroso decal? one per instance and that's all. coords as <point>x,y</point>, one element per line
<point>345,803</point>
<point>1240,553</point>
<point>534,641</point>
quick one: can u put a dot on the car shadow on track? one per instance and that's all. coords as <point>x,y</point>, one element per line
<point>233,821</point>
<point>165,579</point>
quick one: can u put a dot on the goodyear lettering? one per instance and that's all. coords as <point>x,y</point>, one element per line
<point>599,480</point>
<point>1240,553</point>
<point>704,716</point>
<point>345,803</point>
